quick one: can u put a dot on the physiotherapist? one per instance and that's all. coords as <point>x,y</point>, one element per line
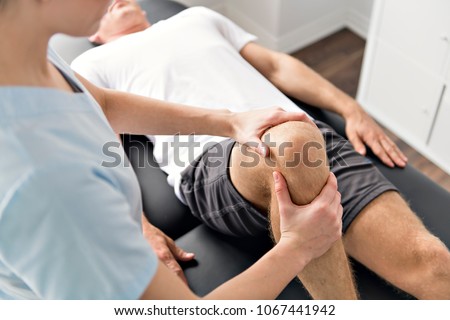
<point>71,228</point>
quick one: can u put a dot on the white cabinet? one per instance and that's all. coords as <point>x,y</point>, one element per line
<point>440,137</point>
<point>418,29</point>
<point>405,78</point>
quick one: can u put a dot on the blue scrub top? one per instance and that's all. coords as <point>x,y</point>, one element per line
<point>69,226</point>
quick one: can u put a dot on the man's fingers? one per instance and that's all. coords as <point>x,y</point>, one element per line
<point>357,143</point>
<point>178,253</point>
<point>281,191</point>
<point>180,273</point>
<point>167,257</point>
<point>182,255</point>
<point>394,152</point>
<point>175,267</point>
<point>381,154</point>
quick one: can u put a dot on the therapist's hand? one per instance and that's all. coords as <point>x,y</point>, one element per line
<point>250,126</point>
<point>311,229</point>
<point>165,248</point>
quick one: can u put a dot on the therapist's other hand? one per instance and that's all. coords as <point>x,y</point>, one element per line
<point>313,228</point>
<point>165,248</point>
<point>250,126</point>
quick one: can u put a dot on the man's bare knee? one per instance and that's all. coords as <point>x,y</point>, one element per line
<point>297,150</point>
<point>425,270</point>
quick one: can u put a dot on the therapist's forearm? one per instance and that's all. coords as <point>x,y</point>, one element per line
<point>128,113</point>
<point>265,279</point>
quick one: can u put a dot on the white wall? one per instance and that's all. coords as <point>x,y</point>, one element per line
<point>206,3</point>
<point>263,12</point>
<point>297,13</point>
<point>288,25</point>
<point>303,22</point>
<point>358,16</point>
<point>363,7</point>
<point>217,5</point>
<point>261,19</point>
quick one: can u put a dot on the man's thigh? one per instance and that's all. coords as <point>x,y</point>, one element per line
<point>233,195</point>
<point>359,181</point>
<point>388,238</point>
<point>212,197</point>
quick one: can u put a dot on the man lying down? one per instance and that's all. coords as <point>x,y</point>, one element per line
<point>199,57</point>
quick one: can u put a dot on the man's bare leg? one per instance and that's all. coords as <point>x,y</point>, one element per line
<point>304,166</point>
<point>328,277</point>
<point>389,239</point>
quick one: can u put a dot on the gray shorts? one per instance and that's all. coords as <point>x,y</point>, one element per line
<point>211,196</point>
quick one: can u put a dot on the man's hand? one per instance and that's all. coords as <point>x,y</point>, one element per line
<point>310,229</point>
<point>250,126</point>
<point>165,248</point>
<point>362,129</point>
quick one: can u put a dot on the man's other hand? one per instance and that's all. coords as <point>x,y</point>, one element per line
<point>361,129</point>
<point>165,248</point>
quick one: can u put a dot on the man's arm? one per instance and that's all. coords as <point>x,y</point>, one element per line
<point>129,113</point>
<point>297,80</point>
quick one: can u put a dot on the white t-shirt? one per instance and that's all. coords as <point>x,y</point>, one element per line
<point>192,58</point>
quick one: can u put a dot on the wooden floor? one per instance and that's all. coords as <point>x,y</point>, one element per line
<point>339,58</point>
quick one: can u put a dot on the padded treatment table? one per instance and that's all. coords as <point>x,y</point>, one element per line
<point>220,257</point>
